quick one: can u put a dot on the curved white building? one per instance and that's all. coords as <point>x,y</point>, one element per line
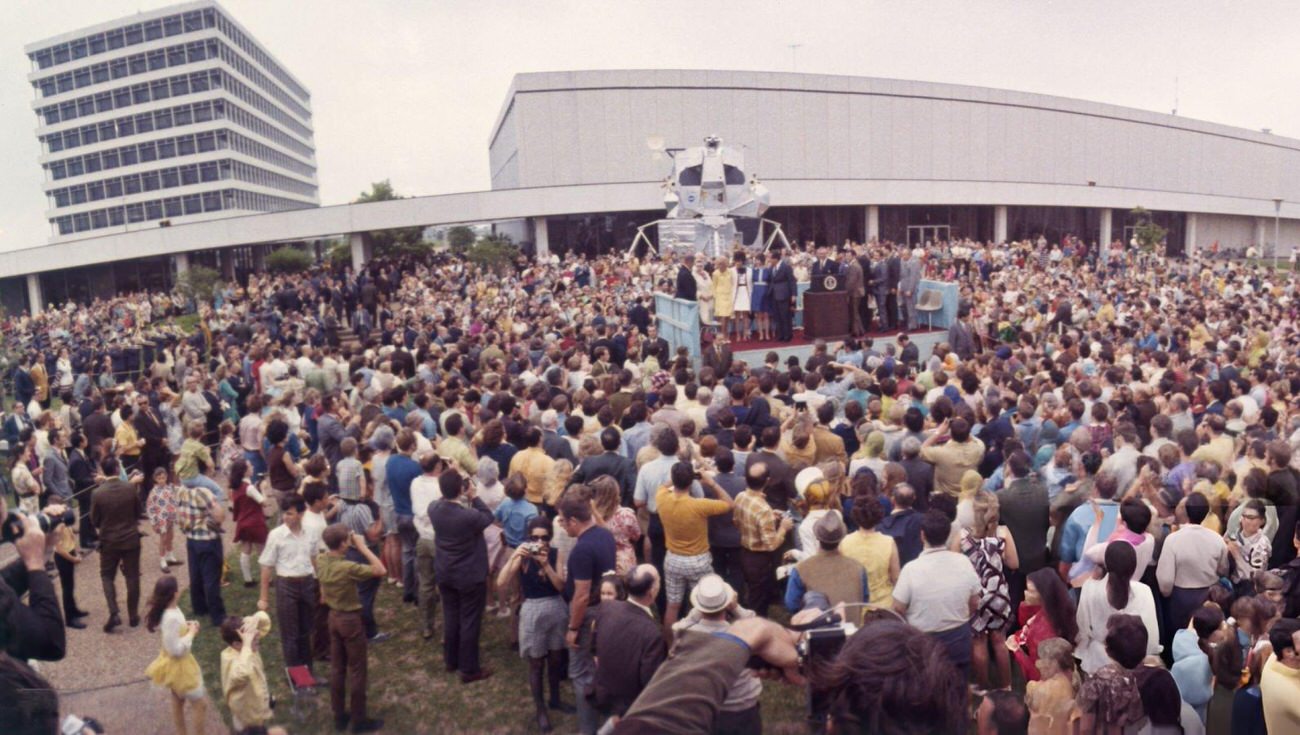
<point>844,157</point>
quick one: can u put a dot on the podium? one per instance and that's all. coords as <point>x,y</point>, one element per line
<point>826,314</point>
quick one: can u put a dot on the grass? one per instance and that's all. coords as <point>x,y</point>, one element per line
<point>408,686</point>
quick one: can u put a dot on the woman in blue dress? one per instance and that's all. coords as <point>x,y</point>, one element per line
<point>758,302</point>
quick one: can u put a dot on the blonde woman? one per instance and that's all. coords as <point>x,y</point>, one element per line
<point>619,519</point>
<point>724,294</point>
<point>992,551</point>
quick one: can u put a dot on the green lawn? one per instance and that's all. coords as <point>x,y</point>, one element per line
<point>409,688</point>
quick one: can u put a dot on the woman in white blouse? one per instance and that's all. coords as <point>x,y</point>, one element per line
<point>1116,592</point>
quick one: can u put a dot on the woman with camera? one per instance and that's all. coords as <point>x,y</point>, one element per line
<point>544,615</point>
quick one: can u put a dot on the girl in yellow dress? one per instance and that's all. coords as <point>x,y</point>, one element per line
<point>175,668</point>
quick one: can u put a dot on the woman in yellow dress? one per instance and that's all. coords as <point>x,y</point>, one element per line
<point>724,295</point>
<point>175,668</point>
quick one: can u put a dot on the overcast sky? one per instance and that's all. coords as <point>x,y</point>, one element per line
<point>409,90</point>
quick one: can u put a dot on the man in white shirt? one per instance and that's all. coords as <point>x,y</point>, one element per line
<point>938,592</point>
<point>287,557</point>
<point>1191,561</point>
<point>424,491</point>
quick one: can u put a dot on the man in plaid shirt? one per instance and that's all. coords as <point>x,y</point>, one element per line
<point>762,531</point>
<point>199,517</point>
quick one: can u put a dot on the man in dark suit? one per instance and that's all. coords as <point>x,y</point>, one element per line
<point>24,385</point>
<point>155,453</point>
<point>555,446</point>
<point>824,265</point>
<point>718,356</point>
<point>639,315</point>
<point>115,513</point>
<point>855,285</point>
<point>611,463</point>
<point>893,273</point>
<point>628,643</point>
<point>655,345</point>
<point>461,566</point>
<point>16,422</point>
<point>782,292</point>
<point>686,279</point>
<point>864,308</point>
<point>97,427</point>
<point>780,488</point>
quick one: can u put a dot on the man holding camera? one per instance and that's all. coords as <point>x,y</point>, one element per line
<point>686,532</point>
<point>115,513</point>
<point>461,568</point>
<point>348,655</point>
<point>34,630</point>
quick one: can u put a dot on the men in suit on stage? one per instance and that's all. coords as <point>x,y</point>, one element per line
<point>893,272</point>
<point>909,279</point>
<point>824,265</point>
<point>880,290</point>
<point>783,292</point>
<point>686,279</point>
<point>855,286</point>
<point>864,306</point>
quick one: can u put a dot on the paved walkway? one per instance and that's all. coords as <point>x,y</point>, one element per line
<point>103,674</point>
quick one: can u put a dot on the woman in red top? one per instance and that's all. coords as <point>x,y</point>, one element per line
<point>250,521</point>
<point>1047,612</point>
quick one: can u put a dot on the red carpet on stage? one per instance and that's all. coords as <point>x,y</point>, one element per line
<point>800,341</point>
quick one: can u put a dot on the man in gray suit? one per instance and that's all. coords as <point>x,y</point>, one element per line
<point>909,279</point>
<point>855,285</point>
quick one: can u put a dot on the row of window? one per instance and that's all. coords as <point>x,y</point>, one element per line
<point>126,66</point>
<point>119,186</point>
<point>249,147</point>
<point>136,94</point>
<point>153,150</point>
<point>198,112</point>
<point>172,25</point>
<point>241,65</point>
<point>265,106</point>
<point>130,35</point>
<point>261,57</point>
<point>211,201</point>
<point>271,180</point>
<point>172,177</point>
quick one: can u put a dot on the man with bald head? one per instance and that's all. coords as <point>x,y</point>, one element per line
<point>628,642</point>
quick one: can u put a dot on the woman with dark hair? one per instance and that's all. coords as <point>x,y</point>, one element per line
<point>175,668</point>
<point>1109,701</point>
<point>250,521</point>
<point>875,551</point>
<point>1226,663</point>
<point>281,470</point>
<point>543,616</point>
<point>1047,612</point>
<point>1116,592</point>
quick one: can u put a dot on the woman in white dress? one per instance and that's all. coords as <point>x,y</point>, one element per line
<point>1114,593</point>
<point>704,292</point>
<point>742,301</point>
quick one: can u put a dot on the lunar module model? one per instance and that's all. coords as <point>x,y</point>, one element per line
<point>712,205</point>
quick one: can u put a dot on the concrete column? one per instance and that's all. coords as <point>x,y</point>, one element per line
<point>999,224</point>
<point>35,301</point>
<point>1104,232</point>
<point>228,264</point>
<point>873,222</point>
<point>1261,234</point>
<point>182,261</point>
<point>541,238</point>
<point>259,258</point>
<point>360,250</point>
<point>1189,235</point>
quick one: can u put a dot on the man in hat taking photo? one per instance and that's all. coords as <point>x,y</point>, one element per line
<point>714,608</point>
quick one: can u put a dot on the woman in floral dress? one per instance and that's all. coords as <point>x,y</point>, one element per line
<point>619,519</point>
<point>161,510</point>
<point>991,550</point>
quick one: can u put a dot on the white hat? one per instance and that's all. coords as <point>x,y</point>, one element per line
<point>712,594</point>
<point>806,477</point>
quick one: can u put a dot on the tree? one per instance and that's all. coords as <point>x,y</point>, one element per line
<point>339,255</point>
<point>390,243</point>
<point>288,259</point>
<point>494,253</point>
<point>460,239</point>
<point>199,284</point>
<point>1149,235</point>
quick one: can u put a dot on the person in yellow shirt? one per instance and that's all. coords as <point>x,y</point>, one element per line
<point>686,533</point>
<point>875,551</point>
<point>243,678</point>
<point>533,464</point>
<point>1279,684</point>
<point>127,441</point>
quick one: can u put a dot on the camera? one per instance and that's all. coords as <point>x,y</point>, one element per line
<point>531,548</point>
<point>12,529</point>
<point>800,405</point>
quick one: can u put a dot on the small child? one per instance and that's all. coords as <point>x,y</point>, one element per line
<point>1051,700</point>
<point>243,677</point>
<point>229,449</point>
<point>250,520</point>
<point>175,668</point>
<point>161,510</point>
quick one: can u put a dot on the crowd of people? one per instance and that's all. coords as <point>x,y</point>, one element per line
<point>1076,513</point>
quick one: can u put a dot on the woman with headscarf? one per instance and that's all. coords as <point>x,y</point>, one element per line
<point>870,456</point>
<point>1048,437</point>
